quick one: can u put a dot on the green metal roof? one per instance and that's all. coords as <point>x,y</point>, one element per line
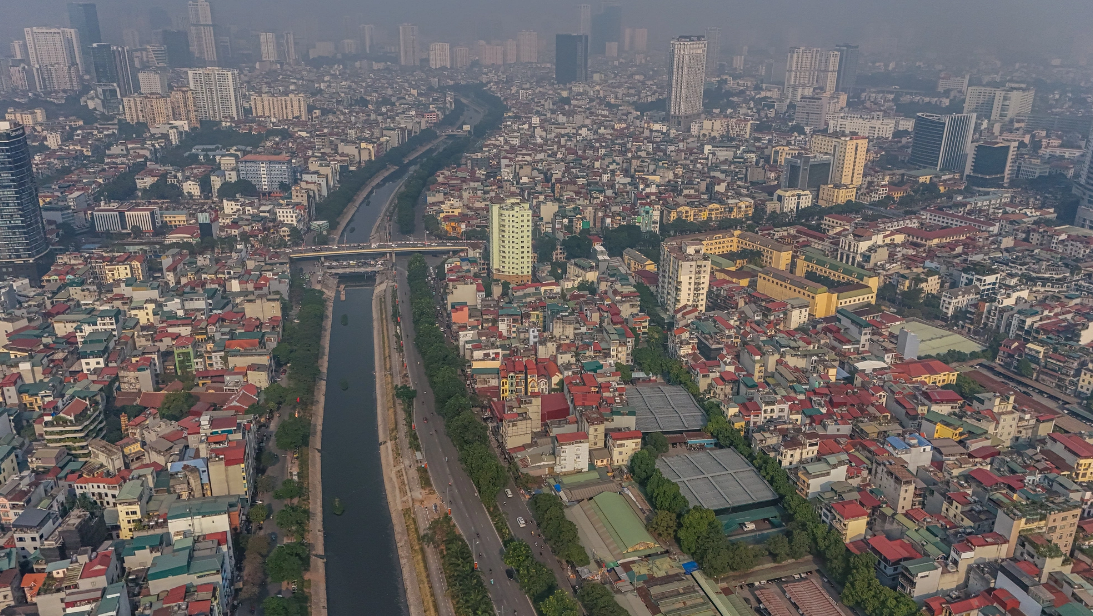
<point>621,522</point>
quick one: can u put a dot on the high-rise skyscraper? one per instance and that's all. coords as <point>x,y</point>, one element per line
<point>23,248</point>
<point>202,33</point>
<point>527,46</point>
<point>584,19</point>
<point>713,51</point>
<point>407,45</point>
<point>1083,188</point>
<point>177,43</point>
<point>54,54</point>
<point>83,17</point>
<point>511,258</point>
<point>462,57</point>
<point>641,39</point>
<point>368,37</point>
<point>440,55</point>
<point>942,142</point>
<point>811,67</point>
<point>570,58</point>
<point>289,40</point>
<point>847,76</point>
<point>991,164</point>
<point>606,28</point>
<point>113,65</point>
<point>686,79</point>
<point>218,94</point>
<point>267,46</point>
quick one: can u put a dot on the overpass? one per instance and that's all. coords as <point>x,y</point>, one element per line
<point>351,250</point>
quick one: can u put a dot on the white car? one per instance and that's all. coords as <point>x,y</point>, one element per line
<point>521,522</point>
<point>508,492</point>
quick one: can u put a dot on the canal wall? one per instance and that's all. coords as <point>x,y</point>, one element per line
<point>317,573</point>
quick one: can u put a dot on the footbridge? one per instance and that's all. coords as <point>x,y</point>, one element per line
<point>357,250</point>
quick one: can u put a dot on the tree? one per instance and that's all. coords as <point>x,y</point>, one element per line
<point>663,525</point>
<point>778,546</point>
<point>642,465</point>
<point>289,489</point>
<point>288,562</point>
<point>1026,368</point>
<point>177,404</point>
<point>626,374</point>
<point>599,601</point>
<point>293,519</point>
<point>656,442</point>
<point>559,604</point>
<point>265,484</point>
<point>230,190</point>
<point>293,432</point>
<point>577,246</point>
<point>258,513</point>
<point>693,528</point>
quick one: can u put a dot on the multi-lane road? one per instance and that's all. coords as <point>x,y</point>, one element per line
<point>456,488</point>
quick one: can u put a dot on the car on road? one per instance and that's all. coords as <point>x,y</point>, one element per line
<point>273,538</point>
<point>521,522</point>
<point>508,492</point>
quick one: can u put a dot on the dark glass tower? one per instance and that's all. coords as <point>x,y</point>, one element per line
<point>571,58</point>
<point>112,65</point>
<point>177,43</point>
<point>847,77</point>
<point>84,18</point>
<point>606,28</point>
<point>23,248</point>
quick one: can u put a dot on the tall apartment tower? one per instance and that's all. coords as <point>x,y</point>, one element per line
<point>942,142</point>
<point>368,37</point>
<point>686,78</point>
<point>202,33</point>
<point>177,43</point>
<point>462,56</point>
<point>83,17</point>
<point>54,54</point>
<point>811,67</point>
<point>440,55</point>
<point>713,51</point>
<point>684,275</point>
<point>112,64</point>
<point>570,58</point>
<point>511,258</point>
<point>23,248</point>
<point>847,156</point>
<point>290,47</point>
<point>641,40</point>
<point>218,94</point>
<point>1083,188</point>
<point>527,46</point>
<point>584,19</point>
<point>407,45</point>
<point>267,43</point>
<point>847,74</point>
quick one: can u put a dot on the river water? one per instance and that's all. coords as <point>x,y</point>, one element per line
<point>362,567</point>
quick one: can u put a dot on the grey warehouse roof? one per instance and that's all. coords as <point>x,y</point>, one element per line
<point>664,408</point>
<point>717,479</point>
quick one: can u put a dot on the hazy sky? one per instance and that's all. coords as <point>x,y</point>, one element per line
<point>1015,28</point>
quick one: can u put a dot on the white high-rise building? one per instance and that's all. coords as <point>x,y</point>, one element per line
<point>407,45</point>
<point>368,37</point>
<point>511,257</point>
<point>54,54</point>
<point>1083,188</point>
<point>713,51</point>
<point>218,94</point>
<point>153,81</point>
<point>584,19</point>
<point>202,34</point>
<point>812,67</point>
<point>290,47</point>
<point>527,46</point>
<point>641,39</point>
<point>999,104</point>
<point>268,43</point>
<point>684,275</point>
<point>686,78</point>
<point>440,55</point>
<point>462,57</point>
